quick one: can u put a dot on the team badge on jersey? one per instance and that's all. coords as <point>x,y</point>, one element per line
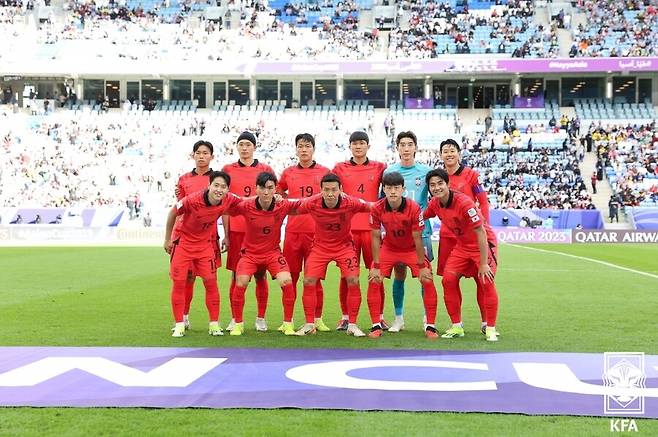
<point>418,182</point>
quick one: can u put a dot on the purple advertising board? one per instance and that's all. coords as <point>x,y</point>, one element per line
<point>457,64</point>
<point>412,103</point>
<point>591,384</point>
<point>529,102</point>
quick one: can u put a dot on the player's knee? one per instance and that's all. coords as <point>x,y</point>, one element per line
<point>209,280</point>
<point>309,281</point>
<point>242,281</point>
<point>352,280</point>
<point>284,279</point>
<point>449,279</point>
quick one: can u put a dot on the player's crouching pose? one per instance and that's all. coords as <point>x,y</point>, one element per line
<point>194,249</point>
<point>261,249</point>
<point>402,220</point>
<point>332,212</point>
<point>474,254</point>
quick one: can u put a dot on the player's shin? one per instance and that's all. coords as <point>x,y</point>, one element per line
<point>189,293</point>
<point>212,298</point>
<point>491,303</point>
<point>398,296</point>
<point>178,300</point>
<point>288,296</point>
<point>319,299</point>
<point>451,296</point>
<point>309,300</point>
<point>262,294</point>
<point>382,299</point>
<point>342,295</point>
<point>238,303</point>
<point>354,301</point>
<point>430,301</point>
<point>481,301</point>
<point>374,301</point>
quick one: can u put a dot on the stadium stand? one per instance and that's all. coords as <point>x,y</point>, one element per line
<point>616,29</point>
<point>630,156</point>
<point>446,28</point>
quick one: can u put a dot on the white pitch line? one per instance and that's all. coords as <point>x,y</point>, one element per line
<point>597,261</point>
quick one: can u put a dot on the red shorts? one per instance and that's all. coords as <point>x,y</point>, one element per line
<point>296,248</point>
<point>467,263</point>
<point>274,262</point>
<point>389,259</point>
<point>202,262</point>
<point>446,244</point>
<point>363,246</point>
<point>235,240</point>
<point>345,257</point>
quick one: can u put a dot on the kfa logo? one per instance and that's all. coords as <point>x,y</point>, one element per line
<point>623,425</point>
<point>418,182</point>
<point>624,372</point>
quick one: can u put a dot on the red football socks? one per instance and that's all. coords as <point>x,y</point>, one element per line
<point>309,300</point>
<point>212,298</point>
<point>262,293</point>
<point>288,297</point>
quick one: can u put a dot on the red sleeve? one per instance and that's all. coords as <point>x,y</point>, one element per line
<point>375,222</point>
<point>361,205</point>
<point>304,206</point>
<point>292,205</point>
<point>417,222</point>
<point>239,208</point>
<point>185,205</point>
<point>470,215</point>
<point>282,186</point>
<point>430,211</point>
<point>480,194</point>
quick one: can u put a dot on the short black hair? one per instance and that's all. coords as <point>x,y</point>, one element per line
<point>306,137</point>
<point>449,142</point>
<point>437,172</point>
<point>392,179</point>
<point>330,177</point>
<point>200,143</point>
<point>220,174</point>
<point>406,134</point>
<point>264,177</point>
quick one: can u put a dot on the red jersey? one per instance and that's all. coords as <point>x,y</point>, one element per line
<point>361,181</point>
<point>199,225</point>
<point>243,183</point>
<point>467,180</point>
<point>399,223</point>
<point>192,182</point>
<point>187,184</point>
<point>263,226</point>
<point>300,182</point>
<point>333,226</point>
<point>461,217</point>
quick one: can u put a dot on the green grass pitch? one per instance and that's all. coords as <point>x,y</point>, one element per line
<point>120,297</point>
